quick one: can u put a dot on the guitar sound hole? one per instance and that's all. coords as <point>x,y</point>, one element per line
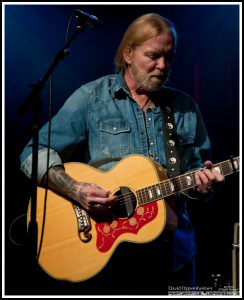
<point>125,204</point>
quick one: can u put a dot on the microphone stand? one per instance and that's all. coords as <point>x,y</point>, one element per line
<point>32,101</point>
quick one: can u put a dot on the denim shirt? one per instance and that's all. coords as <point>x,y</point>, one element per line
<point>104,114</point>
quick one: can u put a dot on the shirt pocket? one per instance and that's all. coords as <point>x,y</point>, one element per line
<point>115,137</point>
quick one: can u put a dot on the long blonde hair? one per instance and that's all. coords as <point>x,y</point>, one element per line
<point>140,30</point>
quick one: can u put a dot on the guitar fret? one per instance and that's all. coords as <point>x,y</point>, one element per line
<point>150,193</point>
<point>218,168</point>
<point>229,166</point>
<point>153,193</point>
<point>177,183</point>
<point>140,196</point>
<point>170,187</point>
<point>163,188</point>
<point>188,181</point>
<point>159,193</point>
<point>144,196</point>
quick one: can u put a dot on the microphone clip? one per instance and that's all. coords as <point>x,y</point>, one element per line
<point>85,19</point>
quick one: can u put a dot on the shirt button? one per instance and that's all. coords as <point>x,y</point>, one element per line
<point>149,119</point>
<point>114,128</point>
<point>152,143</point>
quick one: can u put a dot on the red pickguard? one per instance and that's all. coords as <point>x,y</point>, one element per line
<point>107,233</point>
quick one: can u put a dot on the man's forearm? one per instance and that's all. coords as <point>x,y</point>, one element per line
<point>86,194</point>
<point>58,180</point>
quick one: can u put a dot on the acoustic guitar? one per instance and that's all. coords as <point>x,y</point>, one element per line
<point>76,246</point>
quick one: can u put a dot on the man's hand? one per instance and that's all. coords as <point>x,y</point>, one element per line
<point>89,195</point>
<point>93,198</point>
<point>207,177</point>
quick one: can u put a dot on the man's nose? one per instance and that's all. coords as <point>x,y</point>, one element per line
<point>161,63</point>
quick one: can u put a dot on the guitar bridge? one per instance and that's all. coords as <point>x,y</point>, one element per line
<point>84,224</point>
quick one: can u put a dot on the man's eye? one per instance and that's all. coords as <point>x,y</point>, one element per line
<point>152,56</point>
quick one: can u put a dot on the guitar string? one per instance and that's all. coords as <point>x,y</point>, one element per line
<point>128,195</point>
<point>126,198</point>
<point>182,180</point>
<point>165,188</point>
<point>177,180</point>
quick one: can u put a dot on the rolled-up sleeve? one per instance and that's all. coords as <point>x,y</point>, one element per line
<point>54,160</point>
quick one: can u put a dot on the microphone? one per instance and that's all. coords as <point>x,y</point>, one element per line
<point>86,18</point>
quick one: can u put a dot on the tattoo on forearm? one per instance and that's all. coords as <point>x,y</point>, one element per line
<point>61,182</point>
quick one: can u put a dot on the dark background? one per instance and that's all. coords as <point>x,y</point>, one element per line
<point>206,66</point>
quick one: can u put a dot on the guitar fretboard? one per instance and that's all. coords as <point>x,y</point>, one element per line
<point>183,182</point>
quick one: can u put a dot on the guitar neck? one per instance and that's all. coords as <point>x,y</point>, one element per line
<point>183,182</point>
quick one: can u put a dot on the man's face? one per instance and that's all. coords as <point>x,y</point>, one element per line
<point>150,62</point>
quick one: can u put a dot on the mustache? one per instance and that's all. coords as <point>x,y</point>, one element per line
<point>158,74</point>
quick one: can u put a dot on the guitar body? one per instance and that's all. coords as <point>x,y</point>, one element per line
<point>64,255</point>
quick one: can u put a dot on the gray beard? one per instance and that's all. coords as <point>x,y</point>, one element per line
<point>151,85</point>
<point>147,83</point>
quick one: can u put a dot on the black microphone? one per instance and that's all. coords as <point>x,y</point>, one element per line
<point>86,18</point>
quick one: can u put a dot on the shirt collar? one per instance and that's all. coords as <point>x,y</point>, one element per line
<point>120,90</point>
<point>119,87</point>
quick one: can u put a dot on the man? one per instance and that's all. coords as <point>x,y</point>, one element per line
<point>121,114</point>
